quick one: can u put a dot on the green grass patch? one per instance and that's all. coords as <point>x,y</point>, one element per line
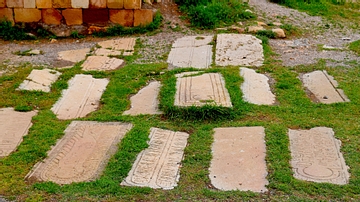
<point>355,46</point>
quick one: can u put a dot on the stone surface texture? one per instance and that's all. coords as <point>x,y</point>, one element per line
<point>122,17</point>
<point>40,80</point>
<point>324,87</point>
<point>80,3</point>
<point>238,49</point>
<point>143,17</point>
<point>101,63</point>
<point>81,98</point>
<point>15,3</point>
<point>51,16</point>
<point>27,15</point>
<point>106,52</point>
<point>192,41</point>
<point>132,4</point>
<point>82,154</point>
<point>74,55</point>
<point>238,161</point>
<point>29,4</point>
<point>202,89</point>
<point>73,16</point>
<point>256,88</point>
<point>123,44</point>
<point>97,4</point>
<point>316,156</point>
<point>13,127</point>
<point>146,100</point>
<point>115,3</point>
<point>96,16</point>
<point>2,3</point>
<point>43,4</point>
<point>158,165</point>
<point>61,3</point>
<point>7,13</point>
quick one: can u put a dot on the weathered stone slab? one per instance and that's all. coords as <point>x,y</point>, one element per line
<point>132,4</point>
<point>15,3</point>
<point>122,17</point>
<point>82,154</point>
<point>238,49</point>
<point>8,14</point>
<point>51,16</point>
<point>101,63</point>
<point>2,3</point>
<point>115,3</point>
<point>80,3</point>
<point>238,161</point>
<point>43,4</point>
<point>61,3</point>
<point>97,4</point>
<point>192,41</point>
<point>200,90</point>
<point>27,15</point>
<point>256,88</point>
<point>96,16</point>
<point>29,4</point>
<point>158,165</point>
<point>13,127</point>
<point>324,87</point>
<point>40,80</point>
<point>198,57</point>
<point>316,156</point>
<point>73,16</point>
<point>123,44</point>
<point>74,55</point>
<point>106,52</point>
<point>146,100</point>
<point>81,98</point>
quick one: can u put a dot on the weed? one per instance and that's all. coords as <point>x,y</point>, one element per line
<point>9,32</point>
<point>266,33</point>
<point>76,35</point>
<point>355,46</point>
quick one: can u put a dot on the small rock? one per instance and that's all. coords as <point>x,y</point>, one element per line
<point>277,23</point>
<point>239,29</point>
<point>53,41</point>
<point>35,52</point>
<point>254,29</point>
<point>279,33</point>
<point>261,24</point>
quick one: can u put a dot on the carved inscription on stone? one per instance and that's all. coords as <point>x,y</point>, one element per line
<point>197,57</point>
<point>82,153</point>
<point>101,63</point>
<point>316,156</point>
<point>202,89</point>
<point>82,97</point>
<point>13,126</point>
<point>158,165</point>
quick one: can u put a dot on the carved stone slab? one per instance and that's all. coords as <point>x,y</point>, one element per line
<point>81,98</point>
<point>192,41</point>
<point>202,89</point>
<point>82,154</point>
<point>13,126</point>
<point>316,156</point>
<point>101,63</point>
<point>74,55</point>
<point>238,49</point>
<point>146,100</point>
<point>238,161</point>
<point>197,57</point>
<point>324,87</point>
<point>256,88</point>
<point>124,44</point>
<point>158,165</point>
<point>40,80</point>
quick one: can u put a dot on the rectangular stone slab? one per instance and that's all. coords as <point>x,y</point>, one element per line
<point>316,156</point>
<point>238,161</point>
<point>125,44</point>
<point>74,55</point>
<point>256,88</point>
<point>146,100</point>
<point>40,80</point>
<point>192,41</point>
<point>158,165</point>
<point>101,63</point>
<point>200,90</point>
<point>82,154</point>
<point>13,127</point>
<point>324,87</point>
<point>238,49</point>
<point>81,98</point>
<point>197,57</point>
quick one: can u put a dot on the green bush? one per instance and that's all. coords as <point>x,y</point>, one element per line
<point>9,32</point>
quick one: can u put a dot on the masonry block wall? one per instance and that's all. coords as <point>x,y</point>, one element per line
<point>127,13</point>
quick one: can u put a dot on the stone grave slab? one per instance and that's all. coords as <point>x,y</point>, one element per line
<point>197,57</point>
<point>101,63</point>
<point>238,49</point>
<point>192,41</point>
<point>316,156</point>
<point>238,161</point>
<point>106,52</point>
<point>202,89</point>
<point>40,80</point>
<point>124,44</point>
<point>256,88</point>
<point>81,98</point>
<point>82,154</point>
<point>74,55</point>
<point>13,127</point>
<point>158,165</point>
<point>324,87</point>
<point>146,100</point>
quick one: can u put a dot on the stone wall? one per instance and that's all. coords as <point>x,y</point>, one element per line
<point>127,13</point>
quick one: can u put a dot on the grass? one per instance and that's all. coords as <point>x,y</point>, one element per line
<point>355,46</point>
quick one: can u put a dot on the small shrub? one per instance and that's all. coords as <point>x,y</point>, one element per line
<point>9,32</point>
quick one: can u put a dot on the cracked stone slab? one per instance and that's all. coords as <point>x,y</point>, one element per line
<point>82,154</point>
<point>158,165</point>
<point>324,87</point>
<point>74,55</point>
<point>238,161</point>
<point>40,80</point>
<point>192,41</point>
<point>101,63</point>
<point>81,98</point>
<point>197,57</point>
<point>124,44</point>
<point>202,89</point>
<point>316,156</point>
<point>146,100</point>
<point>238,49</point>
<point>256,88</point>
<point>13,127</point>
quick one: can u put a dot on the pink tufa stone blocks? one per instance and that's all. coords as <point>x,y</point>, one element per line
<point>51,16</point>
<point>27,15</point>
<point>122,17</point>
<point>143,17</point>
<point>73,16</point>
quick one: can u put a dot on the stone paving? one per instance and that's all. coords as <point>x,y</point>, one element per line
<point>74,55</point>
<point>101,63</point>
<point>40,80</point>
